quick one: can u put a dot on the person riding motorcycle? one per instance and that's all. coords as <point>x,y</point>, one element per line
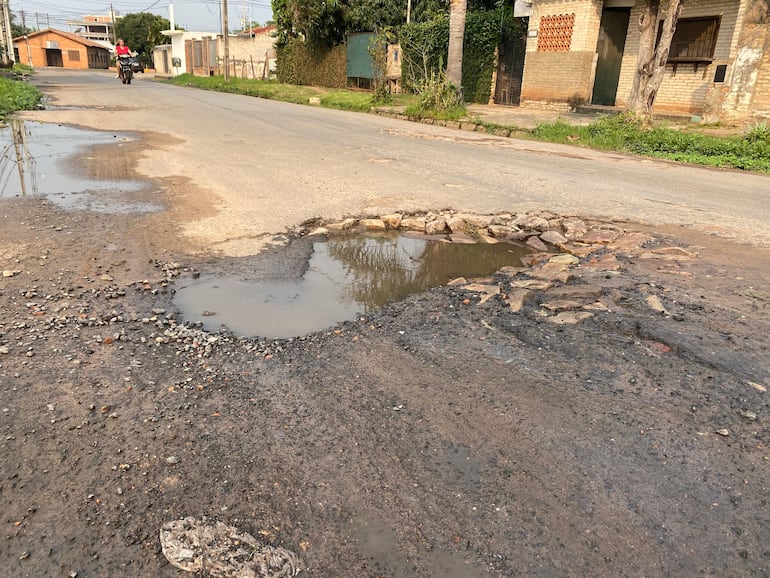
<point>122,50</point>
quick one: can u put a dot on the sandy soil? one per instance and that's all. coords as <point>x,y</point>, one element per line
<point>436,437</point>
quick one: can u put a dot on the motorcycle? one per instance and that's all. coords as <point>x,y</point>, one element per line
<point>126,73</point>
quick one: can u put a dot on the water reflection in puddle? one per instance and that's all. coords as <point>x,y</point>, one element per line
<point>34,162</point>
<point>345,277</point>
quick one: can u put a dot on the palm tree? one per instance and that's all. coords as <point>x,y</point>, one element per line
<point>454,65</point>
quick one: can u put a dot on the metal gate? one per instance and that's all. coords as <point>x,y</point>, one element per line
<point>510,69</point>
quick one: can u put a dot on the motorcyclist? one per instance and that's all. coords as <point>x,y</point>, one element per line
<point>122,50</point>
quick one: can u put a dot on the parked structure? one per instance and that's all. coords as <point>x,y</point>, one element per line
<point>52,47</point>
<point>585,51</point>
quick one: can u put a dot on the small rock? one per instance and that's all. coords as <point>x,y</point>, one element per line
<point>517,298</point>
<point>458,281</point>
<point>723,432</point>
<point>344,225</point>
<point>372,224</point>
<point>564,259</point>
<point>599,236</point>
<point>318,231</point>
<point>475,221</point>
<point>749,415</point>
<point>574,228</point>
<point>4,349</point>
<point>10,273</point>
<point>553,237</point>
<point>435,226</point>
<point>413,224</point>
<point>758,386</point>
<point>172,460</point>
<point>570,317</point>
<point>535,242</point>
<point>392,221</point>
<point>456,225</point>
<point>532,223</point>
<point>487,239</point>
<point>499,231</point>
<point>561,304</point>
<point>534,284</point>
<point>655,304</point>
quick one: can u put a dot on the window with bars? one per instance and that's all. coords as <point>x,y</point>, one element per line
<point>695,39</point>
<point>197,53</point>
<point>73,55</point>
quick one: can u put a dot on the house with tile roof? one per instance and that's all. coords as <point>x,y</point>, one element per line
<point>57,48</point>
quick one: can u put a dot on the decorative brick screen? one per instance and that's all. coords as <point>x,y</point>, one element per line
<point>555,33</point>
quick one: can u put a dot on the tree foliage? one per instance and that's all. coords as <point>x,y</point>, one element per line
<point>327,21</point>
<point>142,31</point>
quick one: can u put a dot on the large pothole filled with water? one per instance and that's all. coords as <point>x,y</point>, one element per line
<point>345,276</point>
<point>38,160</point>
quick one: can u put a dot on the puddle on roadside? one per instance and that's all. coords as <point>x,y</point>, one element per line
<point>345,277</point>
<point>35,160</point>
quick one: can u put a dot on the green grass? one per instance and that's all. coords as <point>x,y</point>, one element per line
<point>17,95</point>
<point>339,99</point>
<point>625,134</point>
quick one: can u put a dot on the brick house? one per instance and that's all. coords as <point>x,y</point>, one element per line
<point>52,47</point>
<point>586,51</point>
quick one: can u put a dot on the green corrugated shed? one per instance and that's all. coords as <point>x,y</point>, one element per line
<point>359,59</point>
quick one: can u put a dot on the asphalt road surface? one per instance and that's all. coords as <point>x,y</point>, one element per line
<point>263,166</point>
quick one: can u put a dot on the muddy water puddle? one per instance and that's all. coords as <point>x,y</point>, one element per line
<point>345,277</point>
<point>36,160</point>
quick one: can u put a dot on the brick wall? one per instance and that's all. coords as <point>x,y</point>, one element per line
<point>687,88</point>
<point>556,76</point>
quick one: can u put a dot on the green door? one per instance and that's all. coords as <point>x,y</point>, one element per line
<point>612,40</point>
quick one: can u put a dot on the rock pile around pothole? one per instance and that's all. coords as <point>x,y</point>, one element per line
<point>561,246</point>
<point>218,550</point>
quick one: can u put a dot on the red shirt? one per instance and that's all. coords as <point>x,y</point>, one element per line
<point>122,50</point>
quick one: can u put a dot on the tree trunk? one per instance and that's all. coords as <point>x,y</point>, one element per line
<point>454,65</point>
<point>651,62</point>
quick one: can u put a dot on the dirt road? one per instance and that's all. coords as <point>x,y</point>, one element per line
<point>439,436</point>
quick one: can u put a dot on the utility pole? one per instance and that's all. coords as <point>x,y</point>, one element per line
<point>226,37</point>
<point>26,39</point>
<point>114,32</point>
<point>7,35</point>
<point>408,11</point>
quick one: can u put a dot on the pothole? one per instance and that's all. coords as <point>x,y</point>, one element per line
<point>36,160</point>
<point>346,276</point>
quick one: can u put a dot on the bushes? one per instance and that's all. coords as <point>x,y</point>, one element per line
<point>301,63</point>
<point>424,47</point>
<point>17,95</point>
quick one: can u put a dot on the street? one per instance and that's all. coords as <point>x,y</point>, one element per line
<point>598,407</point>
<point>264,166</point>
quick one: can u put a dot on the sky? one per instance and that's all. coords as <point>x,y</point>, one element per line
<point>199,15</point>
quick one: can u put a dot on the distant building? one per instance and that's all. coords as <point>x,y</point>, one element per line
<point>96,28</point>
<point>61,49</point>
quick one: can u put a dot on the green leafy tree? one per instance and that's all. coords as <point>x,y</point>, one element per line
<point>142,32</point>
<point>16,28</point>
